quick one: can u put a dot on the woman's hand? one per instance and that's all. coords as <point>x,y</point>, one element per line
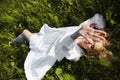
<point>91,34</point>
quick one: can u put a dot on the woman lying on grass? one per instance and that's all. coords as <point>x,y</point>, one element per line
<point>53,44</point>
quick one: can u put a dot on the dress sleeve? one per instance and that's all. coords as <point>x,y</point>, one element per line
<point>99,19</point>
<point>69,49</point>
<point>74,51</point>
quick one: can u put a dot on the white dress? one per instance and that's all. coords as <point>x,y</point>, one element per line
<point>48,46</point>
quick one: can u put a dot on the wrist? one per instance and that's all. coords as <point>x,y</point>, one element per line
<point>75,35</point>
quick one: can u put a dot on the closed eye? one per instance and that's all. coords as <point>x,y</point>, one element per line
<point>92,47</point>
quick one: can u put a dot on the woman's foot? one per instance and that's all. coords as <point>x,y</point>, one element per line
<point>18,40</point>
<point>23,37</point>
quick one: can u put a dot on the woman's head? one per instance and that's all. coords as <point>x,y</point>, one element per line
<point>98,51</point>
<point>98,46</point>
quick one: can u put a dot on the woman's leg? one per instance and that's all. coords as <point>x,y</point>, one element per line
<point>27,34</point>
<point>24,36</point>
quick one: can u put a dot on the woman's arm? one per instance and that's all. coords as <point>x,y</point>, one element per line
<point>89,33</point>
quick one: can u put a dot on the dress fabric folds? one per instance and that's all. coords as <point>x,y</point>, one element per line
<point>50,45</point>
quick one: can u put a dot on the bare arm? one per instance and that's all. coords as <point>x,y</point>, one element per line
<point>89,33</point>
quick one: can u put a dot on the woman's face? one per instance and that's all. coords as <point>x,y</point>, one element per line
<point>98,46</point>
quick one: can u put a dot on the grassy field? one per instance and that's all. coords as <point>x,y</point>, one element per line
<point>16,15</point>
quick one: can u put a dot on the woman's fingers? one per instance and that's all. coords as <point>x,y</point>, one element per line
<point>99,37</point>
<point>96,39</point>
<point>97,31</point>
<point>101,32</point>
<point>87,37</point>
<point>91,34</point>
<point>90,40</point>
<point>93,24</point>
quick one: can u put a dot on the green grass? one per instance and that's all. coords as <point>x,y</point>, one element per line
<point>16,15</point>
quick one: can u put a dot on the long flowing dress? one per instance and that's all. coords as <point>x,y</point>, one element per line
<point>50,45</point>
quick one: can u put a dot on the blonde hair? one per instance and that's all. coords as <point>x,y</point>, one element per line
<point>103,53</point>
